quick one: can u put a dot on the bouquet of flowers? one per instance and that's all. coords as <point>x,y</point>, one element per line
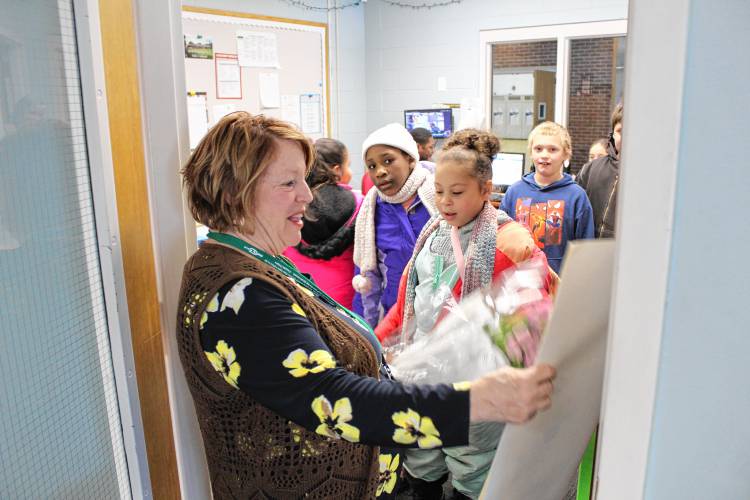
<point>493,327</point>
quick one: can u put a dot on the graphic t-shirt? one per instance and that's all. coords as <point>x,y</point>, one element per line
<point>555,214</point>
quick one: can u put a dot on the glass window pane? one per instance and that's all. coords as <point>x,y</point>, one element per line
<point>595,87</point>
<point>523,90</point>
<point>59,421</point>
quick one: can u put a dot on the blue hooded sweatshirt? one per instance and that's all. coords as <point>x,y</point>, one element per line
<point>554,214</point>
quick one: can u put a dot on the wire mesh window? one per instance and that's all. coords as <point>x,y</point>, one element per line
<point>60,426</point>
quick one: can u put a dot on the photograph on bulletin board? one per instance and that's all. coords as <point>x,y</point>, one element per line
<point>199,47</point>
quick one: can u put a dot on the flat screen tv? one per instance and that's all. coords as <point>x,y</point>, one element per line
<point>439,121</point>
<point>507,168</point>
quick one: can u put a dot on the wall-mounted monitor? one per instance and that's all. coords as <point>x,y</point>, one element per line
<point>439,121</point>
<point>507,168</point>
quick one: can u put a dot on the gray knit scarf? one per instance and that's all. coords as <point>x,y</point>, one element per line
<point>479,256</point>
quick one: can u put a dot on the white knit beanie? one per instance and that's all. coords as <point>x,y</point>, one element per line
<point>393,134</point>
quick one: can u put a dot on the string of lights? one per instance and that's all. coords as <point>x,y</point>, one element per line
<point>303,5</point>
<point>423,5</point>
<point>395,3</point>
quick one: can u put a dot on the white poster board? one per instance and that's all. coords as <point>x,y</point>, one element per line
<point>538,459</point>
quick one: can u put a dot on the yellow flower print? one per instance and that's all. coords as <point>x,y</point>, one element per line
<point>236,295</point>
<point>296,433</point>
<point>333,421</point>
<point>212,307</point>
<point>189,307</point>
<point>224,361</point>
<point>387,475</point>
<point>300,364</point>
<point>305,290</point>
<point>462,386</point>
<point>296,308</point>
<point>413,427</point>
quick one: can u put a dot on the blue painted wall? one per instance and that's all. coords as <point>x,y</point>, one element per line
<point>700,445</point>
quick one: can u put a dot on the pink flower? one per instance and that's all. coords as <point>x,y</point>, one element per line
<point>528,344</point>
<point>513,351</point>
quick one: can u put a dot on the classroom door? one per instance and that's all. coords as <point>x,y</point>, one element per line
<point>544,96</point>
<point>61,432</point>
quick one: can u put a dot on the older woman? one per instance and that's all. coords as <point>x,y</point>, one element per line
<point>292,393</point>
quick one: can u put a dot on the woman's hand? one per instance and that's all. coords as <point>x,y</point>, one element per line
<point>511,394</point>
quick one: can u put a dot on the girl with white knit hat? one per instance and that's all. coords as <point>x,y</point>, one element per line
<point>390,218</point>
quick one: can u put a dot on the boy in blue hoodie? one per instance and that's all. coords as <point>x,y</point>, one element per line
<point>548,201</point>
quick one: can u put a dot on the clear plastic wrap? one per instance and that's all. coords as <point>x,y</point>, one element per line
<point>493,327</point>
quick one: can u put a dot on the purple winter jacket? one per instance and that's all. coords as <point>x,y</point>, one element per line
<point>396,232</point>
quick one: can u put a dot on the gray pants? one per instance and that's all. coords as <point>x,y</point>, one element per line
<point>468,465</point>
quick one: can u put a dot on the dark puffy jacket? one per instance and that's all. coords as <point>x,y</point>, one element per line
<point>600,178</point>
<point>327,247</point>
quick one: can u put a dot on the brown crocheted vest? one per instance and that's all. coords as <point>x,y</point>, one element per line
<point>253,452</point>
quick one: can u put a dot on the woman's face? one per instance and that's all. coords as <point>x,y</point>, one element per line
<point>280,199</point>
<point>388,168</point>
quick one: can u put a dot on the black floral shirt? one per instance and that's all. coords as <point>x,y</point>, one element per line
<point>263,344</point>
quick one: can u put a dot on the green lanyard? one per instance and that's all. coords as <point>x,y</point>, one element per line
<point>287,268</point>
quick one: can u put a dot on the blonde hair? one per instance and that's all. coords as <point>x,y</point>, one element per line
<point>222,174</point>
<point>551,129</point>
<point>472,147</point>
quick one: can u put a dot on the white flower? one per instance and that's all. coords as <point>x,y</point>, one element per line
<point>236,296</point>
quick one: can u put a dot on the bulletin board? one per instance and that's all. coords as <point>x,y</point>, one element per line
<point>242,62</point>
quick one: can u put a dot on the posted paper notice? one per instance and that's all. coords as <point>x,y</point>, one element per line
<point>290,108</point>
<point>228,77</point>
<point>257,49</point>
<point>219,111</point>
<point>310,115</point>
<point>269,90</point>
<point>197,117</point>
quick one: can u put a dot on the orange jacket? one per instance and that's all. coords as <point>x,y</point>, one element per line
<point>514,244</point>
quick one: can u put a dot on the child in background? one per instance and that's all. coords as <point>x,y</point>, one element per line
<point>465,249</point>
<point>598,149</point>
<point>425,143</point>
<point>425,147</point>
<point>548,201</point>
<point>327,247</point>
<point>390,219</point>
<point>366,184</point>
<point>599,178</point>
